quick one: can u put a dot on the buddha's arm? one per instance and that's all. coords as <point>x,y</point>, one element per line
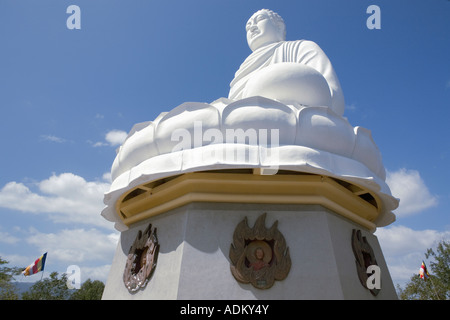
<point>310,54</point>
<point>290,82</point>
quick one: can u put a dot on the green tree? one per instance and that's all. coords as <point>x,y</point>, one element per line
<point>89,290</point>
<point>52,288</point>
<point>441,267</point>
<point>8,291</point>
<point>437,286</point>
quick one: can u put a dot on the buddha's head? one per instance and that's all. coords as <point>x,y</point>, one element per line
<point>259,253</point>
<point>264,27</point>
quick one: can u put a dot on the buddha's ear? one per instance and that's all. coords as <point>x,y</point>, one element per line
<point>282,28</point>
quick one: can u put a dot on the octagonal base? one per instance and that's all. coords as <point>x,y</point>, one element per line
<point>194,263</point>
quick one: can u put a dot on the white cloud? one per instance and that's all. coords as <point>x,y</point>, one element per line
<point>116,137</point>
<point>350,107</point>
<point>408,186</point>
<point>52,138</point>
<point>7,238</point>
<point>98,144</point>
<point>95,273</point>
<point>89,249</point>
<point>69,199</point>
<point>113,138</point>
<point>404,249</point>
<point>65,198</point>
<point>107,177</point>
<point>16,260</point>
<point>75,246</point>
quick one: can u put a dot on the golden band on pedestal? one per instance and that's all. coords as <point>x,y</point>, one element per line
<point>244,186</point>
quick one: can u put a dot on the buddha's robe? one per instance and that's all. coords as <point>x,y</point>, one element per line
<point>300,51</point>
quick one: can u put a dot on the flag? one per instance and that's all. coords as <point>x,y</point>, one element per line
<point>423,272</point>
<point>36,266</point>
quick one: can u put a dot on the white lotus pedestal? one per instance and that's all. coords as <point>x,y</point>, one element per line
<point>198,229</point>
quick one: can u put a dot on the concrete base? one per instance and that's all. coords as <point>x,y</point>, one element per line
<point>194,263</point>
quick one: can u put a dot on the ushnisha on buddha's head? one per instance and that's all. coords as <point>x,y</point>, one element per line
<point>264,27</point>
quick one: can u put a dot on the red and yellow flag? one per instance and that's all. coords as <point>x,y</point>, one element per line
<point>423,272</point>
<point>36,266</point>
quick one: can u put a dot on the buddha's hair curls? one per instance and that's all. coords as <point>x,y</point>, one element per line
<point>276,18</point>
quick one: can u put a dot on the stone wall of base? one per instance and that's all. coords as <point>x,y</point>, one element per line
<point>193,261</point>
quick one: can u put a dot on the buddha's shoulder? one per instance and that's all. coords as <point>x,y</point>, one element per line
<point>302,42</point>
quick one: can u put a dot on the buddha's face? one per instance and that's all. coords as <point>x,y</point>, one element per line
<point>259,253</point>
<point>262,30</point>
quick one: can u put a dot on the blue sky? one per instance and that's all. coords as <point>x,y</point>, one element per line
<point>68,98</point>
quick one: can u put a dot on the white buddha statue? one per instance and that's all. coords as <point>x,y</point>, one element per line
<point>285,89</point>
<point>287,71</point>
